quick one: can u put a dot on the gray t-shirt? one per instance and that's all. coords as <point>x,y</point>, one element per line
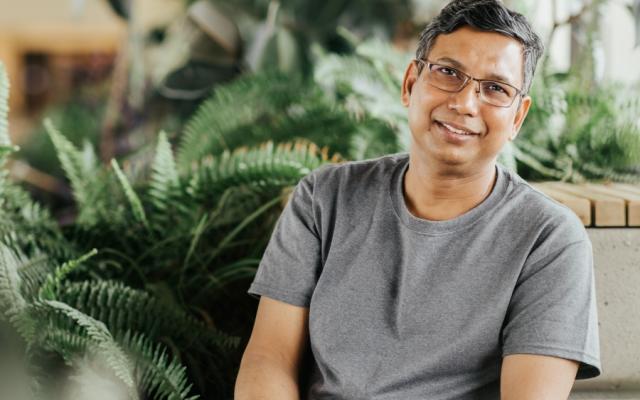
<point>405,308</point>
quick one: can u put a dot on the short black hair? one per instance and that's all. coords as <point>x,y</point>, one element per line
<point>486,15</point>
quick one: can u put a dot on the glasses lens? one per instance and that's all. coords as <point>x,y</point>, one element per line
<point>445,78</point>
<point>451,80</point>
<point>497,93</point>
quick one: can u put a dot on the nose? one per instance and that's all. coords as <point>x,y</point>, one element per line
<point>467,100</point>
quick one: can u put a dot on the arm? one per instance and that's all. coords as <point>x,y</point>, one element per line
<point>536,377</point>
<point>271,361</point>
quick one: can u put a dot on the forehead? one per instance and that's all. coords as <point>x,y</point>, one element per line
<point>482,54</point>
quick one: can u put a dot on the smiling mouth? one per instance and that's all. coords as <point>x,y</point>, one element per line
<point>455,131</point>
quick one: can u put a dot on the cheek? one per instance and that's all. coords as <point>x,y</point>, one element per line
<point>500,123</point>
<point>420,111</point>
<point>416,118</point>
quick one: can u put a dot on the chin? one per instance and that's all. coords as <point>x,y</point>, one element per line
<point>453,162</point>
<point>450,158</point>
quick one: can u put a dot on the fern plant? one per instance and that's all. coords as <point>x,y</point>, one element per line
<point>577,134</point>
<point>202,230</point>
<point>46,322</point>
<point>71,310</point>
<point>260,108</point>
<point>346,105</point>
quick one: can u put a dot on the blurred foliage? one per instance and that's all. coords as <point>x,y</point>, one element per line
<point>573,134</point>
<point>178,240</point>
<point>171,247</point>
<point>341,108</point>
<point>81,116</point>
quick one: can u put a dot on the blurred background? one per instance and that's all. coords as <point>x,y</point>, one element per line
<point>167,135</point>
<point>114,73</point>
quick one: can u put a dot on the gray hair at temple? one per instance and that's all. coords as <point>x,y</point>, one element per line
<point>486,15</point>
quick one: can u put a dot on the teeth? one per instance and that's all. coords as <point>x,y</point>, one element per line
<point>454,130</point>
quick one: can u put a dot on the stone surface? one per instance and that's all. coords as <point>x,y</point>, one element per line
<point>604,395</point>
<point>617,268</point>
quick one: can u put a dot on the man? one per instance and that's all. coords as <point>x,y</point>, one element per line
<point>437,274</point>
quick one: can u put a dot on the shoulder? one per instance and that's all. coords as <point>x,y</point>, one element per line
<point>353,175</point>
<point>551,219</point>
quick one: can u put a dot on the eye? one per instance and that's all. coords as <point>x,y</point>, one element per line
<point>496,87</point>
<point>446,71</point>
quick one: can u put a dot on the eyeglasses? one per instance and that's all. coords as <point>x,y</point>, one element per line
<point>451,80</point>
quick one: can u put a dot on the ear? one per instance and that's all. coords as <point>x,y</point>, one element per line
<point>521,114</point>
<point>410,78</point>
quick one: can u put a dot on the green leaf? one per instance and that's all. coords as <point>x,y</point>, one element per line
<point>73,163</point>
<point>98,334</point>
<point>50,288</point>
<point>160,376</point>
<point>164,176</point>
<point>132,197</point>
<point>6,147</point>
<point>507,157</point>
<point>265,107</point>
<point>123,308</point>
<point>11,301</point>
<point>266,166</point>
<point>5,140</point>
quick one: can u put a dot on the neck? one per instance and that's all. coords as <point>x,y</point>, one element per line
<point>437,192</point>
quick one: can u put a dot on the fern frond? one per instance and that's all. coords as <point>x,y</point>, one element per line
<point>367,88</point>
<point>236,112</point>
<point>272,107</point>
<point>11,301</point>
<point>52,284</point>
<point>4,107</point>
<point>26,225</point>
<point>315,120</point>
<point>373,138</point>
<point>582,132</point>
<point>156,374</point>
<point>33,275</point>
<point>159,376</point>
<point>130,194</point>
<point>93,187</point>
<point>386,59</point>
<point>6,147</point>
<point>122,308</point>
<point>609,174</point>
<point>267,166</point>
<point>96,332</point>
<point>535,164</point>
<point>73,164</point>
<point>243,269</point>
<point>61,335</point>
<point>164,176</point>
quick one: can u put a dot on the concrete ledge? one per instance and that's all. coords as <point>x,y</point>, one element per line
<point>617,268</point>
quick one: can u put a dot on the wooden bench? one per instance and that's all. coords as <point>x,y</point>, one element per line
<point>598,205</point>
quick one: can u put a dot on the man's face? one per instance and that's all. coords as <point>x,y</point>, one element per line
<point>482,55</point>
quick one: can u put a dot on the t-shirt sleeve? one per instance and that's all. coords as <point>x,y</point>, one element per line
<point>553,307</point>
<point>291,262</point>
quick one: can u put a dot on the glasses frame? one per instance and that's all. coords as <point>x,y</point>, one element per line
<point>468,78</point>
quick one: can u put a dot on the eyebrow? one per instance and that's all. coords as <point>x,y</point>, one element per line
<point>458,65</point>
